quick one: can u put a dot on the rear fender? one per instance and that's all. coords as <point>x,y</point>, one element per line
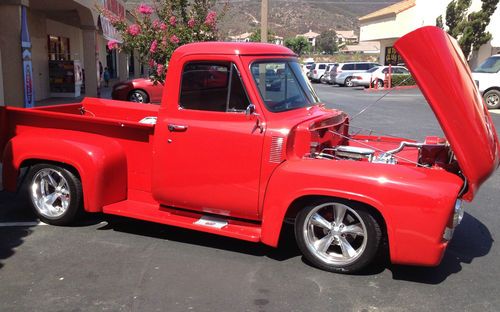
<point>415,203</point>
<point>100,162</point>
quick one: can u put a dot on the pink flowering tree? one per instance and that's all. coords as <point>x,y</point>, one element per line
<point>160,28</point>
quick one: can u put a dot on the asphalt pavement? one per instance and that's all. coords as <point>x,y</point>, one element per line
<point>107,263</point>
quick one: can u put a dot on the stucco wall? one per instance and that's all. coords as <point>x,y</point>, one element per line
<point>10,44</point>
<point>389,27</point>
<point>39,54</point>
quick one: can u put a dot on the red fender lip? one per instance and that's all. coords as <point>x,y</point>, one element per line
<point>440,70</point>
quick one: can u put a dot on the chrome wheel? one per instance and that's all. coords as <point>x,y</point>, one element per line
<point>338,235</point>
<point>335,233</point>
<point>138,96</point>
<point>348,82</point>
<point>492,99</point>
<point>50,193</point>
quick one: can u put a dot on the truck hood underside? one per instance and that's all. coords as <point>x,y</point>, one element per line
<point>440,70</point>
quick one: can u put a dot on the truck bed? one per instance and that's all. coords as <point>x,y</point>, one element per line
<point>120,121</point>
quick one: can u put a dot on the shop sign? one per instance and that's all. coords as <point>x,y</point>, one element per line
<point>29,95</point>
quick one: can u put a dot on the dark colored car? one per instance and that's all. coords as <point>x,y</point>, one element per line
<point>139,90</point>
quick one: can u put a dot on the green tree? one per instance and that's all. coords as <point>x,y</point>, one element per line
<point>299,45</point>
<point>159,29</point>
<point>255,36</point>
<point>468,29</point>
<point>327,42</point>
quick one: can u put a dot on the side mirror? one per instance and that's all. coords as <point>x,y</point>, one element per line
<point>250,110</point>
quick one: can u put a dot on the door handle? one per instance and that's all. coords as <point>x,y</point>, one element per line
<point>177,128</point>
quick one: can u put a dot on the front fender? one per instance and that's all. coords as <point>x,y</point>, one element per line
<point>416,203</point>
<point>100,162</point>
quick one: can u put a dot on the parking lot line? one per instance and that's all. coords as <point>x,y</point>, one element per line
<point>13,224</point>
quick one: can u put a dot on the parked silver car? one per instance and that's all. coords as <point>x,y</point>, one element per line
<point>317,71</point>
<point>326,78</point>
<point>342,74</point>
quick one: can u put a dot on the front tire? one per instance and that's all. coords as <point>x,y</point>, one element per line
<point>492,99</point>
<point>336,236</point>
<point>56,194</point>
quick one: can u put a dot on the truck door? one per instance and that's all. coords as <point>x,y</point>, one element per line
<point>207,150</point>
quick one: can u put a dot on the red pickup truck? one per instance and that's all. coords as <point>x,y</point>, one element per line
<point>242,143</point>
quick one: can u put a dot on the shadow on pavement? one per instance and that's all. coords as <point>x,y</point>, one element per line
<point>13,236</point>
<point>287,247</point>
<point>471,239</point>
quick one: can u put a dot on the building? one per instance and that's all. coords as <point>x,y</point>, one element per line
<point>310,36</point>
<point>390,23</point>
<point>365,47</point>
<point>61,37</point>
<point>346,37</point>
<point>245,37</point>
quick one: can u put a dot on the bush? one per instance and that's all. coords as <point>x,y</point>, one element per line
<point>403,80</point>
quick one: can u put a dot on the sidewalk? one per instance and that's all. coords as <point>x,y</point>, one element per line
<point>105,94</point>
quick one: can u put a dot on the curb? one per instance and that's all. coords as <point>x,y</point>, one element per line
<point>387,89</point>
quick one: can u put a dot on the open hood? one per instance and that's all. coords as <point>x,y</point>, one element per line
<point>440,70</point>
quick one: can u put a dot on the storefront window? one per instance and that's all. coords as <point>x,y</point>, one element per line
<point>59,49</point>
<point>392,57</point>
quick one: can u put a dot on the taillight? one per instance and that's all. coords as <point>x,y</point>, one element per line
<point>315,72</point>
<point>338,72</point>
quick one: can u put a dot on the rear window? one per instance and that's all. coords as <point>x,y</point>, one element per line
<point>322,66</point>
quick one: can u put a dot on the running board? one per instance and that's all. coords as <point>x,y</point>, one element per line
<point>186,219</point>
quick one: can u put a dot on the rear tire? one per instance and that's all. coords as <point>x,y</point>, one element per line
<point>337,236</point>
<point>492,99</point>
<point>348,82</point>
<point>56,194</point>
<point>138,96</point>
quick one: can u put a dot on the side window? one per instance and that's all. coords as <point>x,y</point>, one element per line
<point>385,70</point>
<point>212,87</point>
<point>348,67</point>
<point>238,99</point>
<point>363,66</point>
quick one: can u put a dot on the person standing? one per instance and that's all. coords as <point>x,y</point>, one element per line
<point>106,77</point>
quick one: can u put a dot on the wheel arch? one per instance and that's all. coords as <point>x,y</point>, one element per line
<point>271,227</point>
<point>92,162</point>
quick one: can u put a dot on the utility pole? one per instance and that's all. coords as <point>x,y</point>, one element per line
<point>263,20</point>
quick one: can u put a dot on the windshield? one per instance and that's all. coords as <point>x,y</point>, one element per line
<point>371,70</point>
<point>491,65</point>
<point>282,85</point>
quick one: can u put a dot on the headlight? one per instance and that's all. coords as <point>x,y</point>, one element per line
<point>120,87</point>
<point>458,213</point>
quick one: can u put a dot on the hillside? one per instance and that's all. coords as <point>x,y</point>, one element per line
<point>288,18</point>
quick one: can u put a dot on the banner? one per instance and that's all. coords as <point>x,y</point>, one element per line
<point>29,94</point>
<point>117,8</point>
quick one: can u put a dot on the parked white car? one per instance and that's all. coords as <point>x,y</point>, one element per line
<point>487,77</point>
<point>376,75</point>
